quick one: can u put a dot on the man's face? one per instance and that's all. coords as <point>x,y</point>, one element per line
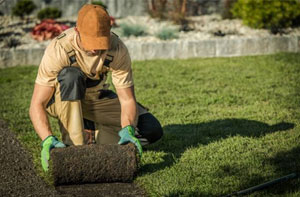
<point>94,52</point>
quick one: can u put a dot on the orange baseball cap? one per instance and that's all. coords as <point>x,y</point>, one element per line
<point>93,24</point>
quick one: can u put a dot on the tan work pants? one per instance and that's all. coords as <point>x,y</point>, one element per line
<point>105,112</point>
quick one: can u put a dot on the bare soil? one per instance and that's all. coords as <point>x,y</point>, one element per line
<point>18,176</point>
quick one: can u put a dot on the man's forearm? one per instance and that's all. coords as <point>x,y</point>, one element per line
<point>128,113</point>
<point>39,119</point>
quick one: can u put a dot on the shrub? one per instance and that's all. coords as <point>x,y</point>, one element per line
<point>23,8</point>
<point>49,13</point>
<point>167,34</point>
<point>132,30</point>
<point>47,29</point>
<point>99,3</point>
<point>273,15</point>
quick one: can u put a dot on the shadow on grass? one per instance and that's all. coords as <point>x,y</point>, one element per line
<point>285,163</point>
<point>177,138</point>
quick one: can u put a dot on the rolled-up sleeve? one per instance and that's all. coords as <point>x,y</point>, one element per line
<point>122,76</point>
<point>54,59</point>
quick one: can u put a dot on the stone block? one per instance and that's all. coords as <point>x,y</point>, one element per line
<point>254,46</point>
<point>35,55</point>
<point>134,49</point>
<point>298,43</point>
<point>228,47</point>
<point>5,58</point>
<point>202,48</point>
<point>292,44</point>
<point>20,57</point>
<point>279,44</point>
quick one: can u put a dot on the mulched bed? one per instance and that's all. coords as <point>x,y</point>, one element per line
<point>18,176</point>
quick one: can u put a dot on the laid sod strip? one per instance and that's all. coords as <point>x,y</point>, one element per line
<point>229,123</point>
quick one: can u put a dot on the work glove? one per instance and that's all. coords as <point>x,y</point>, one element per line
<point>127,136</point>
<point>49,143</point>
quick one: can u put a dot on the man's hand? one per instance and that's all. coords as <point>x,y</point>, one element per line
<point>49,143</point>
<point>127,135</point>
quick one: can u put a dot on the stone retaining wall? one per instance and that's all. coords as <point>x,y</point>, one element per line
<point>177,49</point>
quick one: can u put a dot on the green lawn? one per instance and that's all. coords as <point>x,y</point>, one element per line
<point>229,123</point>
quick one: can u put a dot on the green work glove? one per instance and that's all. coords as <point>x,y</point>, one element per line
<point>127,135</point>
<point>49,143</point>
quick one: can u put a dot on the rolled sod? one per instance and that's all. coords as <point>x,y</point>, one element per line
<point>94,164</point>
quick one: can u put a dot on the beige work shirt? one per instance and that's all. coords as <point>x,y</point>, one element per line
<point>56,58</point>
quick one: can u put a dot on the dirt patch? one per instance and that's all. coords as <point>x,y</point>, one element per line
<point>94,164</point>
<point>18,176</point>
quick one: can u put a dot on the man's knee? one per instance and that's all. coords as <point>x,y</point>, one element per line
<point>149,127</point>
<point>72,83</point>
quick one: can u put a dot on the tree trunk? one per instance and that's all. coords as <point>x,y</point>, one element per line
<point>183,7</point>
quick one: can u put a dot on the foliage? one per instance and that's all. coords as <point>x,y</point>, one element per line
<point>273,15</point>
<point>49,13</point>
<point>99,3</point>
<point>133,30</point>
<point>167,34</point>
<point>158,9</point>
<point>23,8</point>
<point>226,12</point>
<point>47,29</point>
<point>174,11</point>
<point>229,123</point>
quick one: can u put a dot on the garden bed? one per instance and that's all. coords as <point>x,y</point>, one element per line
<point>200,28</point>
<point>209,36</point>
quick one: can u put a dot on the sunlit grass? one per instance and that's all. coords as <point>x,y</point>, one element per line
<point>229,123</point>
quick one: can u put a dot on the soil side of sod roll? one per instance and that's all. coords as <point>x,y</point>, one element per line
<point>94,164</point>
<point>17,173</point>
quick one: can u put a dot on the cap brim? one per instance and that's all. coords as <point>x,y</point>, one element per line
<point>95,43</point>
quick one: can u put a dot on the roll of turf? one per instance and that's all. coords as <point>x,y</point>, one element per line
<point>94,164</point>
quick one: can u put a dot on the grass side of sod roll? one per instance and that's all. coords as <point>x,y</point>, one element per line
<point>229,123</point>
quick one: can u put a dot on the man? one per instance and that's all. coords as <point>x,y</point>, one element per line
<point>70,86</point>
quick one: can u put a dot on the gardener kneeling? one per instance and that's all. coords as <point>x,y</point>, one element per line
<point>70,86</point>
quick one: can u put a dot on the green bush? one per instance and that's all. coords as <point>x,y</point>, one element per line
<point>167,34</point>
<point>273,15</point>
<point>132,30</point>
<point>49,13</point>
<point>99,3</point>
<point>23,8</point>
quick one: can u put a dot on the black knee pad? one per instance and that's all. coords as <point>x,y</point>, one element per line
<point>72,83</point>
<point>149,127</point>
